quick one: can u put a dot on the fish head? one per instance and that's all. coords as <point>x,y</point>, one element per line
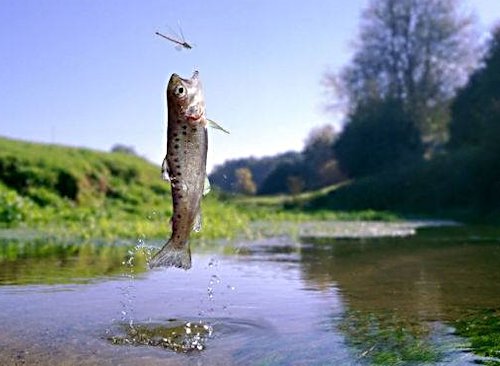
<point>185,96</point>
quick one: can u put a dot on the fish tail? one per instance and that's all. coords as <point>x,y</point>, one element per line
<point>171,256</point>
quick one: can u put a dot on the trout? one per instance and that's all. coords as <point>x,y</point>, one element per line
<point>185,166</point>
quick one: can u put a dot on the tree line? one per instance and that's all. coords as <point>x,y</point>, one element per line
<point>420,85</point>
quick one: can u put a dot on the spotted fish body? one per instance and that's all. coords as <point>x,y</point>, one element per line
<point>185,164</point>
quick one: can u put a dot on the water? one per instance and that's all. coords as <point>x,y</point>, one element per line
<point>272,301</point>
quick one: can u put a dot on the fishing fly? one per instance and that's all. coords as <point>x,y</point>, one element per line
<point>179,41</point>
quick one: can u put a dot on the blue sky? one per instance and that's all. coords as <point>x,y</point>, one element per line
<point>92,73</point>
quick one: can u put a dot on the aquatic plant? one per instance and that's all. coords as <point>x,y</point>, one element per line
<point>482,328</point>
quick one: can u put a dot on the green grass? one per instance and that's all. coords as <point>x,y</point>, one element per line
<point>89,194</point>
<point>83,194</point>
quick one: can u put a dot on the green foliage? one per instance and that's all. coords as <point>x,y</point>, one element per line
<point>476,108</point>
<point>14,209</point>
<point>224,176</point>
<point>319,168</point>
<point>277,181</point>
<point>83,194</point>
<point>290,172</point>
<point>244,181</point>
<point>379,136</point>
<point>464,183</point>
<point>123,149</point>
<point>417,52</point>
<point>45,197</point>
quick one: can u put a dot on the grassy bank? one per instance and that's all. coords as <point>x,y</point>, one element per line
<point>81,193</point>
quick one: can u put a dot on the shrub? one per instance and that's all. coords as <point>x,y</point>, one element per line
<point>13,208</point>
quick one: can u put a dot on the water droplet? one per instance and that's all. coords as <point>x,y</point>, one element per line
<point>214,279</point>
<point>213,263</point>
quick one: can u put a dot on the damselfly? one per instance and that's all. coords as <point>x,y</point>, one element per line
<point>179,41</point>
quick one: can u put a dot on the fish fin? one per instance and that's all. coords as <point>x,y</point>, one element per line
<point>197,222</point>
<point>215,125</point>
<point>164,170</point>
<point>170,256</point>
<point>206,186</point>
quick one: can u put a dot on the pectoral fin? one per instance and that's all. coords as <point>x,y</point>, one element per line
<point>197,222</point>
<point>206,186</point>
<point>215,125</point>
<point>164,170</point>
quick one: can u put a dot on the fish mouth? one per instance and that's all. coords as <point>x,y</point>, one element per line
<point>195,118</point>
<point>195,113</point>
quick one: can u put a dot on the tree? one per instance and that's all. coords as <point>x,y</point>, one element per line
<point>123,149</point>
<point>319,158</point>
<point>244,181</point>
<point>295,185</point>
<point>414,51</point>
<point>379,136</point>
<point>278,180</point>
<point>224,175</point>
<point>476,109</point>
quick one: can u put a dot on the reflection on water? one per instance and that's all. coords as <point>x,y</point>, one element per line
<point>399,291</point>
<point>432,276</point>
<point>433,298</point>
<point>47,261</point>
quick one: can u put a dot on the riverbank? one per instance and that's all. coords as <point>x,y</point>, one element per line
<point>51,190</point>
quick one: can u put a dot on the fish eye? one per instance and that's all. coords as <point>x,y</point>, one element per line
<point>180,91</point>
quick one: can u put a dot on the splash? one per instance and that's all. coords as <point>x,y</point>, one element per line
<point>175,335</point>
<point>135,256</point>
<point>215,300</point>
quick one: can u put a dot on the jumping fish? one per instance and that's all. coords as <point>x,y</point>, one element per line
<point>185,166</point>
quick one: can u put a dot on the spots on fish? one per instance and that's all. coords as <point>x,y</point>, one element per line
<point>184,127</point>
<point>184,133</point>
<point>176,146</point>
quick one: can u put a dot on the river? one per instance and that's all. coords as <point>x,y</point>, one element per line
<point>326,294</point>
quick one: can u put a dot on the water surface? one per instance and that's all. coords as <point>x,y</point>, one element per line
<point>279,300</point>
